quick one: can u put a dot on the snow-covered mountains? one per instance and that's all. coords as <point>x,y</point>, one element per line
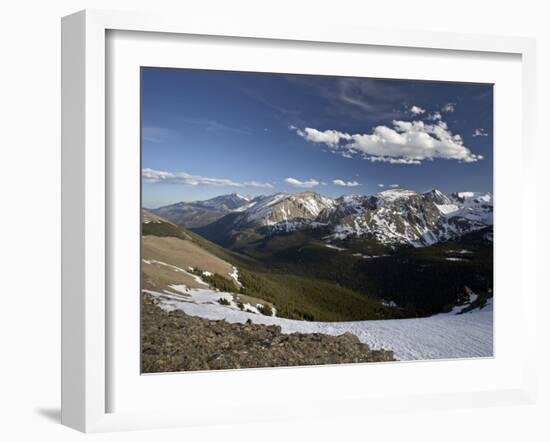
<point>392,217</point>
<point>200,213</point>
<point>405,217</point>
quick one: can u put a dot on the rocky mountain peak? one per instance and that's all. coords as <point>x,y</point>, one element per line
<point>393,216</point>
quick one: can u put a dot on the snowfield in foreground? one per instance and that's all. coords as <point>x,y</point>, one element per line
<point>442,336</point>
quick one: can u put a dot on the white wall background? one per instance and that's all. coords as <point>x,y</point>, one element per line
<point>30,216</point>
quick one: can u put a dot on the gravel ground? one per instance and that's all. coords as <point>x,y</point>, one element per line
<point>175,341</point>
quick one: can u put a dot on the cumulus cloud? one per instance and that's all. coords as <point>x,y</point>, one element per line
<point>344,183</point>
<point>407,142</point>
<point>416,110</point>
<point>305,184</point>
<point>480,132</point>
<point>328,137</point>
<point>183,178</point>
<point>381,185</point>
<point>449,107</point>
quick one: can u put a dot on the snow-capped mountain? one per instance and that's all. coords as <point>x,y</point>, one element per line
<point>407,217</point>
<point>350,205</point>
<point>200,213</point>
<point>268,215</point>
<point>475,206</point>
<point>230,202</point>
<point>285,209</point>
<point>392,217</point>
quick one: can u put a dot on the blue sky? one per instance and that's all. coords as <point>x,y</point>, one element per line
<point>206,133</point>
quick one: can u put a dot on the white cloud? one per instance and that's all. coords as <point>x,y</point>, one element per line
<point>159,176</point>
<point>329,137</point>
<point>435,116</point>
<point>306,184</point>
<point>394,185</point>
<point>257,184</point>
<point>345,183</point>
<point>407,142</point>
<point>416,110</point>
<point>392,160</point>
<point>480,132</point>
<point>449,107</point>
<point>381,185</point>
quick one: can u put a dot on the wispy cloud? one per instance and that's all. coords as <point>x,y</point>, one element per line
<point>158,135</point>
<point>183,178</point>
<point>369,95</point>
<point>282,112</point>
<point>394,185</point>
<point>305,184</point>
<point>449,107</point>
<point>483,95</point>
<point>436,116</point>
<point>360,99</point>
<point>480,132</point>
<point>407,142</point>
<point>216,126</point>
<point>344,183</point>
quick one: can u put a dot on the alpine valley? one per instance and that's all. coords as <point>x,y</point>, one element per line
<point>395,254</point>
<point>301,279</point>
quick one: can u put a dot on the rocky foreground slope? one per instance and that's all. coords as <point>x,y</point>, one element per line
<point>174,341</point>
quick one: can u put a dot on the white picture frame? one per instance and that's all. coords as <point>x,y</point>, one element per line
<point>85,211</point>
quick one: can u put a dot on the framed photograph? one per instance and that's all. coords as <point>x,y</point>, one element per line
<point>252,211</point>
<point>299,238</point>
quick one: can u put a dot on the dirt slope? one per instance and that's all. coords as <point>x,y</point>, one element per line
<point>163,256</point>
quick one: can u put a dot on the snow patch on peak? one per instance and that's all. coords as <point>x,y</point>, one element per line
<point>394,194</point>
<point>243,197</point>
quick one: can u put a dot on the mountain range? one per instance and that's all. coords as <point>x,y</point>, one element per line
<point>396,217</point>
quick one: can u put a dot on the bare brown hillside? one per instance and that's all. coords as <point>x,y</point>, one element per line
<point>167,260</point>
